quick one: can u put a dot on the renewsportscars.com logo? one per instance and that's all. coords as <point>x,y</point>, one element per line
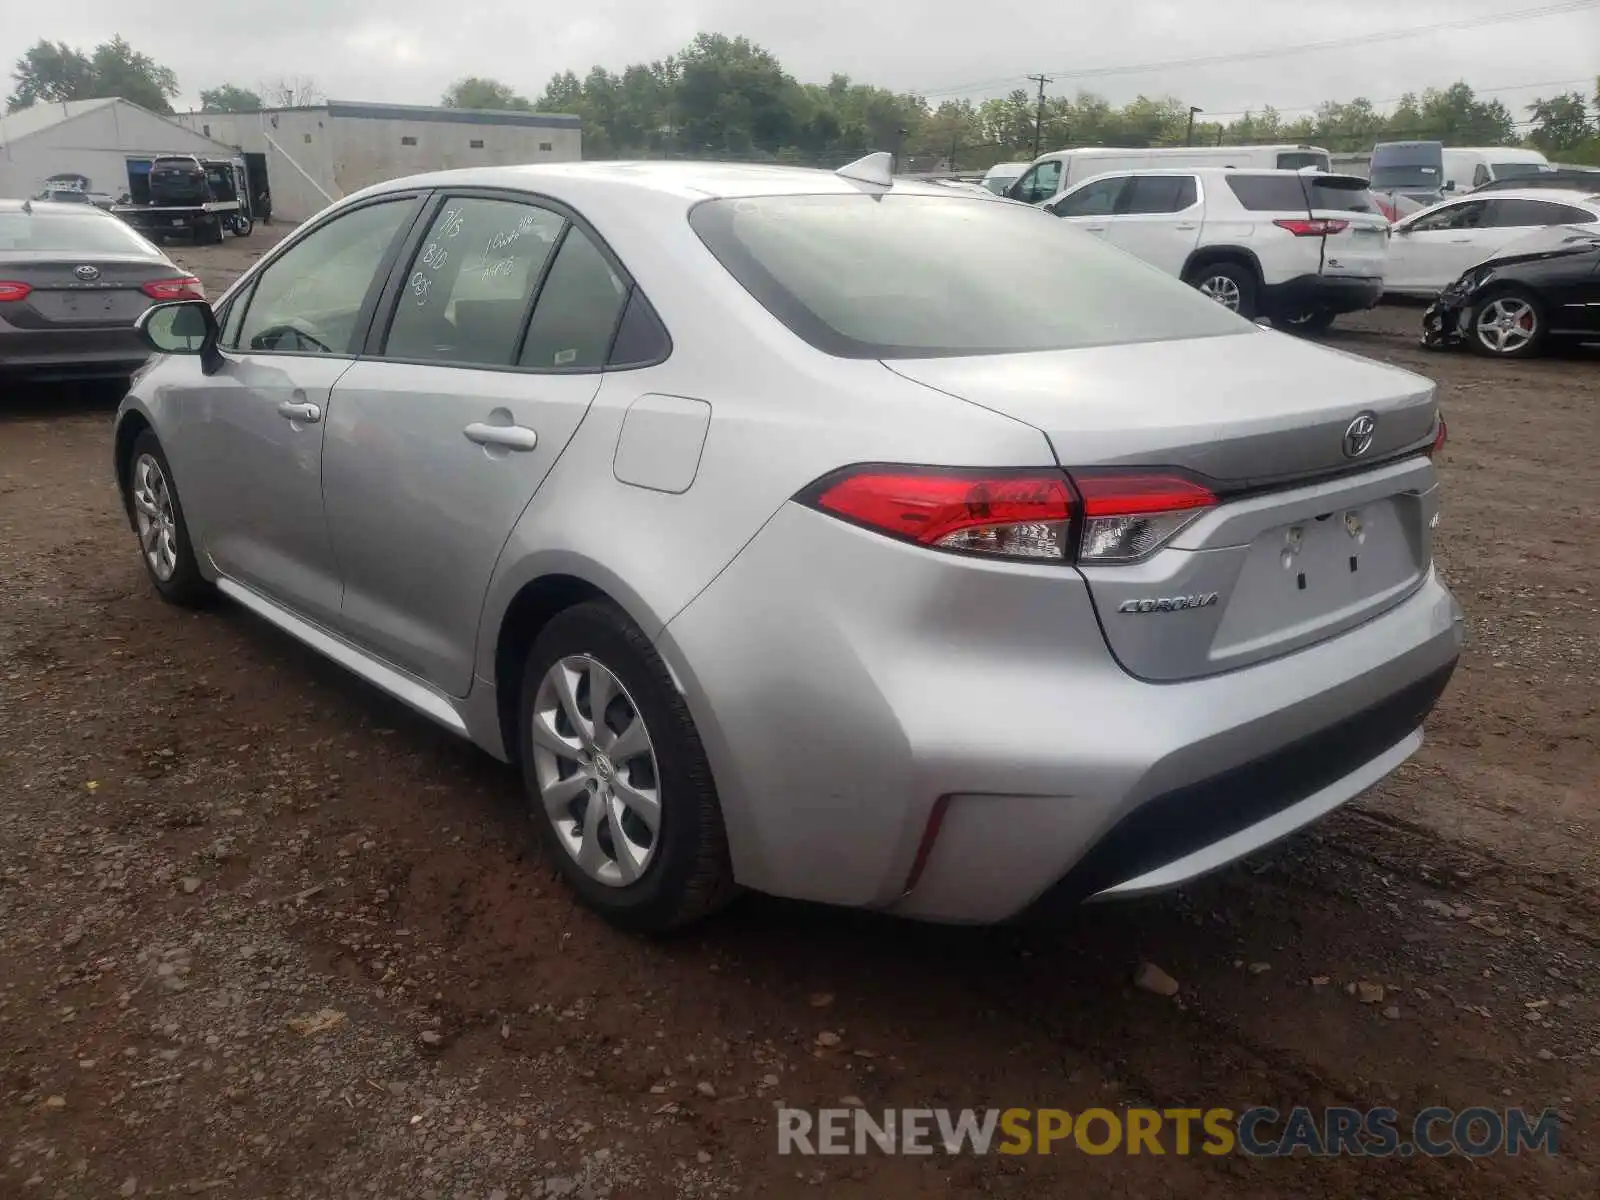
<point>1259,1132</point>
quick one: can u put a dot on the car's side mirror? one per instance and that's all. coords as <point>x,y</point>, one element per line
<point>182,327</point>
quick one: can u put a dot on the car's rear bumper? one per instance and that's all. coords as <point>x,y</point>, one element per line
<point>951,740</point>
<point>70,353</point>
<point>1327,293</point>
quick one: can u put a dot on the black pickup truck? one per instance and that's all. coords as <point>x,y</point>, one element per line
<point>193,196</point>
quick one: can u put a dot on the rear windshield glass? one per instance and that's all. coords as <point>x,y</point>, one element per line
<point>83,232</point>
<point>1269,193</point>
<point>860,276</point>
<point>1339,195</point>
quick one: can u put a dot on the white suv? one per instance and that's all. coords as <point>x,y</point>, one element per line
<point>1299,246</point>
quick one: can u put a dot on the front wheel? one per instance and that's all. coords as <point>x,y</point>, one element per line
<point>1508,325</point>
<point>164,542</point>
<point>616,774</point>
<point>1231,285</point>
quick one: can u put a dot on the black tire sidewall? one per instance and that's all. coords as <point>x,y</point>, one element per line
<point>1528,349</point>
<point>690,825</point>
<point>187,587</point>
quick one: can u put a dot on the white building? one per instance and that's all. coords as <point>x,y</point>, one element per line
<point>93,145</point>
<point>313,156</point>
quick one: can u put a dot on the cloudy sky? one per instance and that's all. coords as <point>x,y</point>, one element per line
<point>408,51</point>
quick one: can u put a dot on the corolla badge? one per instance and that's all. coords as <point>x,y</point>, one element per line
<point>1165,604</point>
<point>1358,435</point>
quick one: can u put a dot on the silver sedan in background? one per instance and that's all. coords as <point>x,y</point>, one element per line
<point>73,280</point>
<point>864,541</point>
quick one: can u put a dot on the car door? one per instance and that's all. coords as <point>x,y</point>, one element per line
<point>488,350</point>
<point>251,432</point>
<point>1088,207</point>
<point>1157,218</point>
<point>1432,249</point>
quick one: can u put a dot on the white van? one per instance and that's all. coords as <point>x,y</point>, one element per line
<point>1053,173</point>
<point>1467,167</point>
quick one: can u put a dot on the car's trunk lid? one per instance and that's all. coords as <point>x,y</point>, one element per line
<point>1304,543</point>
<point>1359,248</point>
<point>91,291</point>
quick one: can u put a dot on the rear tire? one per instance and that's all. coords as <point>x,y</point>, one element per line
<point>1507,324</point>
<point>164,544</point>
<point>1314,321</point>
<point>593,800</point>
<point>1230,284</point>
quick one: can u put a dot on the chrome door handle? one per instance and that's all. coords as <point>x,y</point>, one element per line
<point>512,437</point>
<point>309,414</point>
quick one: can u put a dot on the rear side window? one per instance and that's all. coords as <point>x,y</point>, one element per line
<point>1158,194</point>
<point>470,284</point>
<point>915,276</point>
<point>578,308</point>
<point>1293,160</point>
<point>1520,213</point>
<point>1269,193</point>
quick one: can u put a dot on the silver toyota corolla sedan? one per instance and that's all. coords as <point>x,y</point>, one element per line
<point>860,541</point>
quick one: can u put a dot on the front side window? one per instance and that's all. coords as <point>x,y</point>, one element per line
<point>309,299</point>
<point>1097,199</point>
<point>468,288</point>
<point>1039,183</point>
<point>935,277</point>
<point>1454,216</point>
<point>579,306</point>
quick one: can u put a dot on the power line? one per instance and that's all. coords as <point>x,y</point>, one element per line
<point>1280,109</point>
<point>1364,39</point>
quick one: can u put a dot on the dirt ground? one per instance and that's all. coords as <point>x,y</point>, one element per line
<point>263,933</point>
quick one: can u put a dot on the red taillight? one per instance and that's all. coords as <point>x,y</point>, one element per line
<point>1010,514</point>
<point>1315,227</point>
<point>1128,516</point>
<point>185,288</point>
<point>14,291</point>
<point>1439,437</point>
<point>1018,514</point>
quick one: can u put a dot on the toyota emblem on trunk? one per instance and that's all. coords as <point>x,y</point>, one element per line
<point>87,273</point>
<point>1358,435</point>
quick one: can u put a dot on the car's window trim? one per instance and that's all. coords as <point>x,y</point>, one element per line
<point>378,330</point>
<point>369,301</point>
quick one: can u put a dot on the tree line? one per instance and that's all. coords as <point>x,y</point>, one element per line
<point>729,98</point>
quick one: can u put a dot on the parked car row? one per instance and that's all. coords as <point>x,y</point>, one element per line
<point>1303,246</point>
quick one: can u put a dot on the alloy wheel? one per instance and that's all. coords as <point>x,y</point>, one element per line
<point>1506,325</point>
<point>154,517</point>
<point>1223,290</point>
<point>596,769</point>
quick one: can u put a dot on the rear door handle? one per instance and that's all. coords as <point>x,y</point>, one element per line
<point>512,437</point>
<point>1186,226</point>
<point>308,414</point>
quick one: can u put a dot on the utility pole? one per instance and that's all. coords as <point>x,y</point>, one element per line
<point>1189,137</point>
<point>1038,117</point>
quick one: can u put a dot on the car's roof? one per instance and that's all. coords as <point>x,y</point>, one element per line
<point>682,183</point>
<point>1558,195</point>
